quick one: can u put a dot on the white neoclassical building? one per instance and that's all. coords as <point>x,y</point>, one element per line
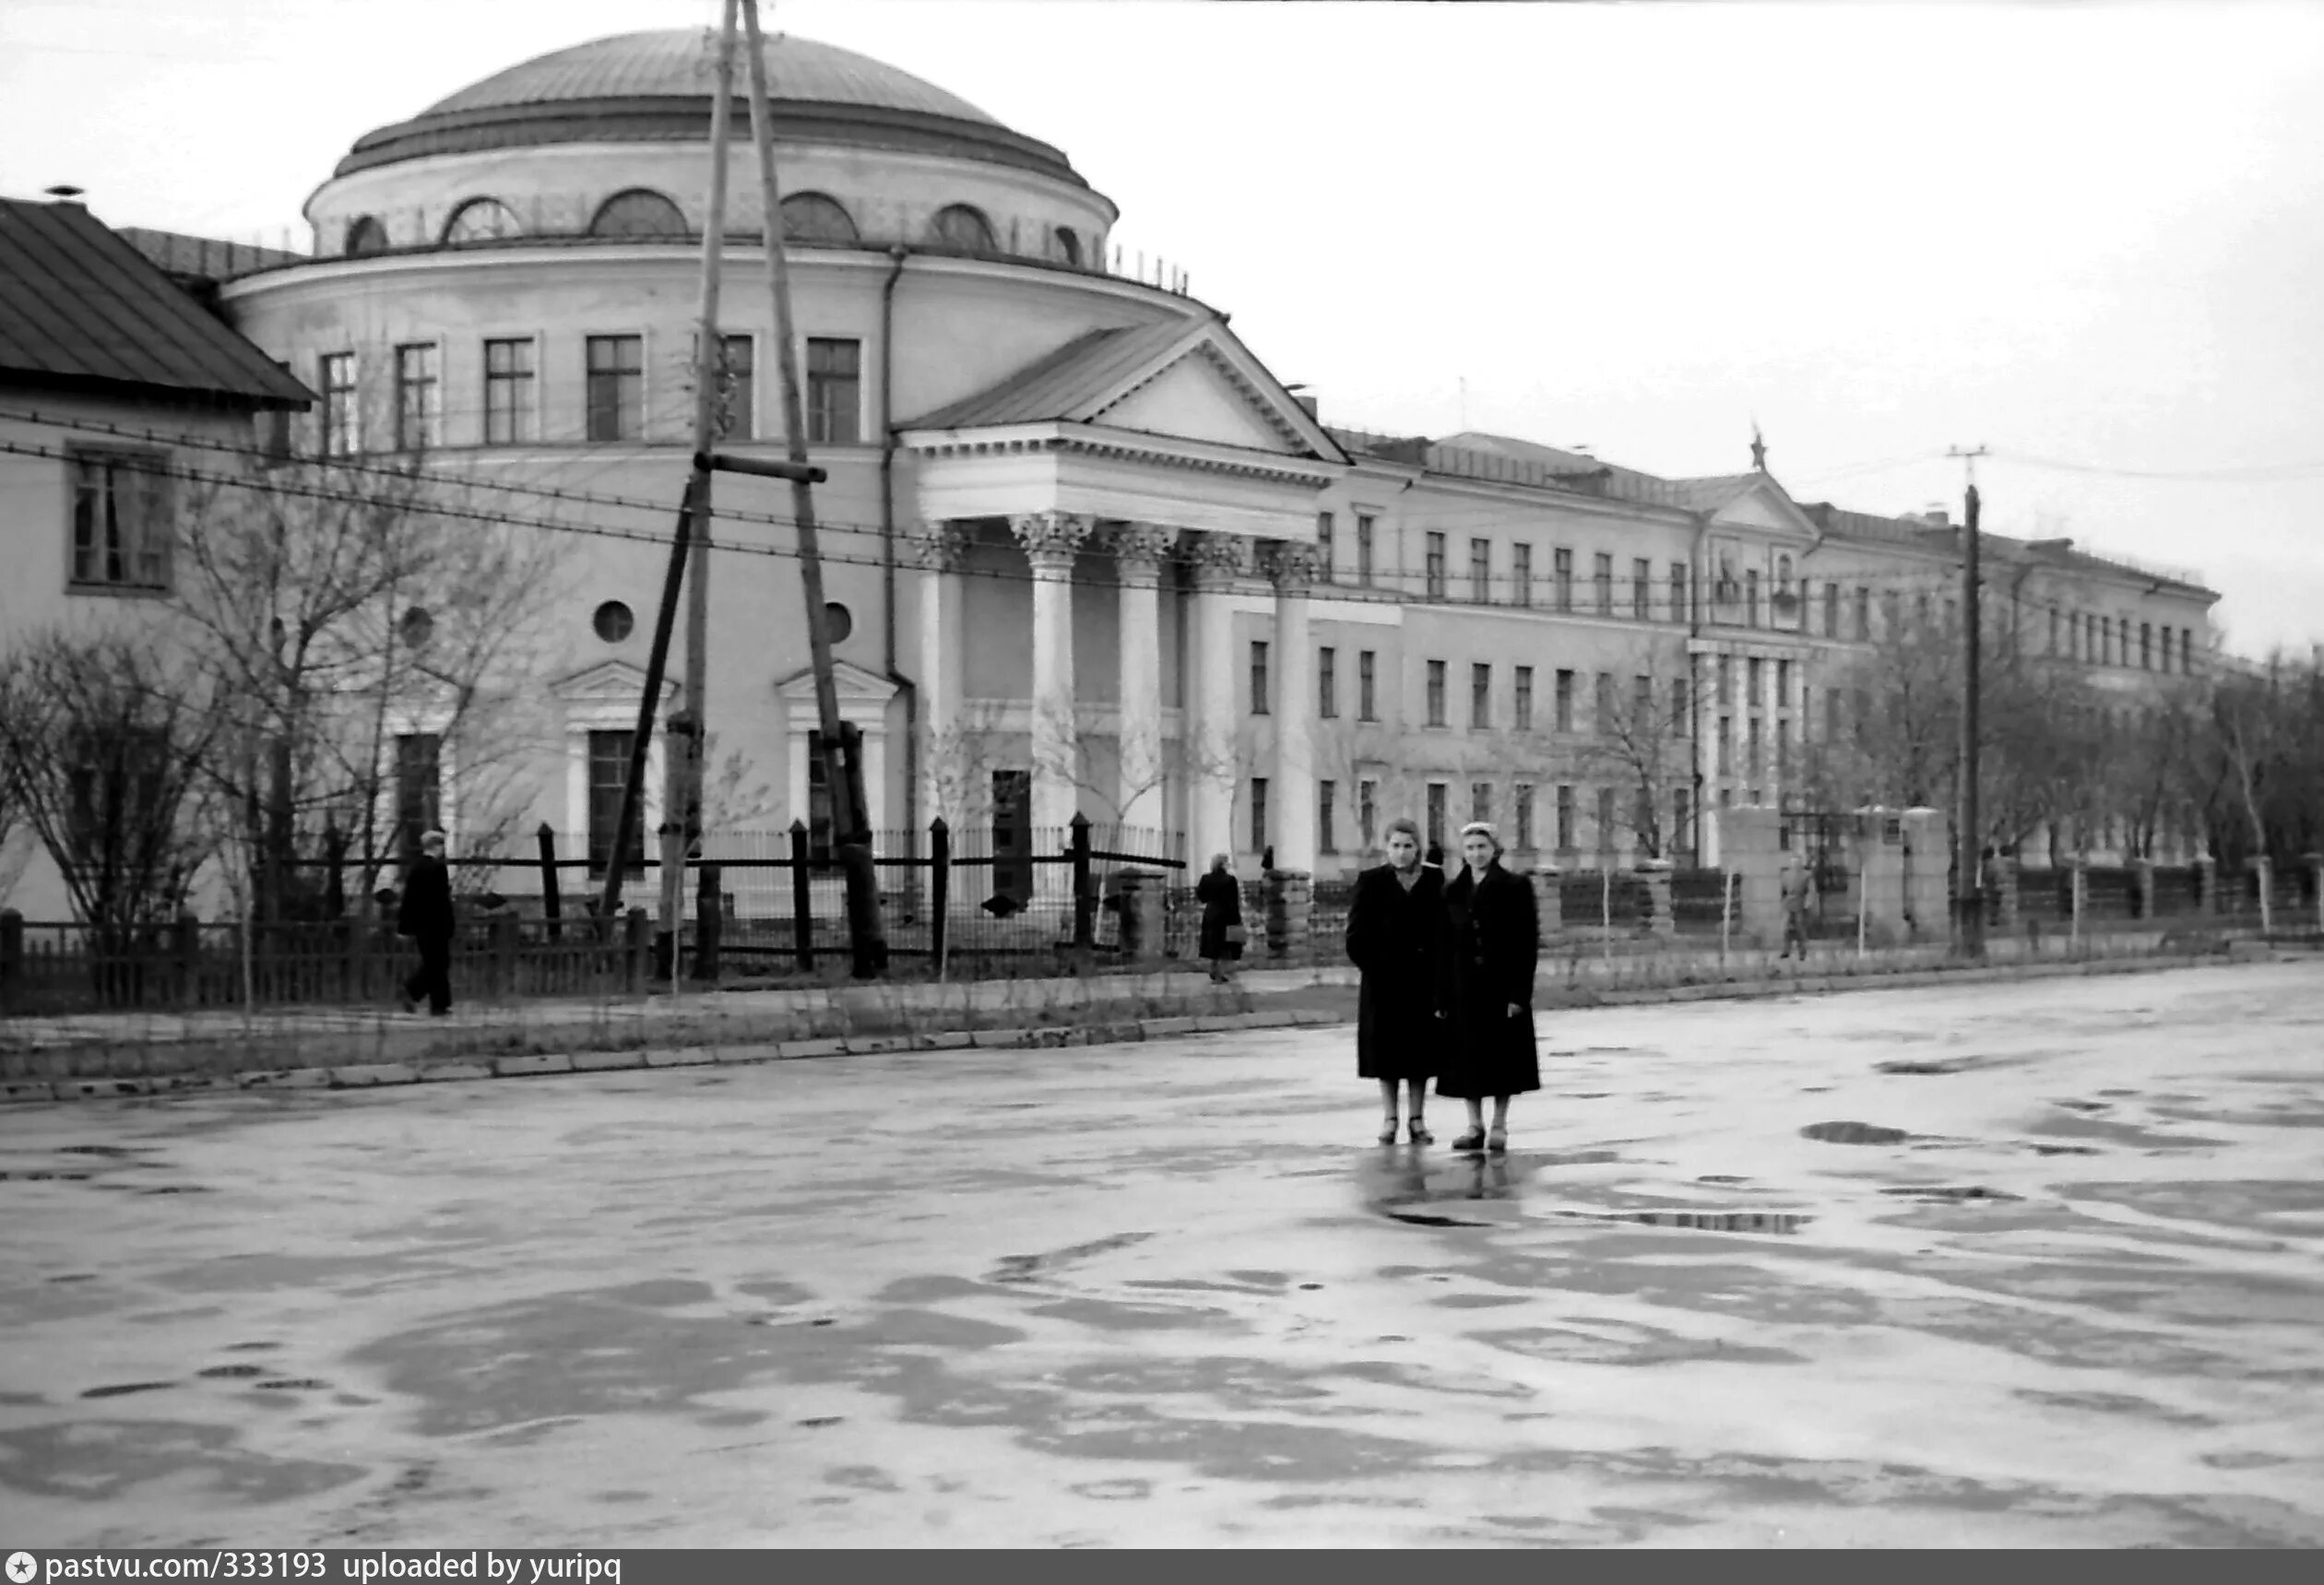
<point>1085,551</point>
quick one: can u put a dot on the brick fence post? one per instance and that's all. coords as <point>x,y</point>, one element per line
<point>187,957</point>
<point>1290,901</point>
<point>2207,886</point>
<point>1548,900</point>
<point>1656,872</point>
<point>2142,875</point>
<point>637,954</point>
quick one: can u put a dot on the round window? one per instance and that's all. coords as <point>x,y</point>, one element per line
<point>838,622</point>
<point>418,627</point>
<point>613,621</point>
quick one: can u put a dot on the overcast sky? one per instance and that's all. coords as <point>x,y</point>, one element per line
<point>2083,234</point>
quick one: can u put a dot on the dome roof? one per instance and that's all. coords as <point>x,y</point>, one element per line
<point>680,62</point>
<point>655,87</point>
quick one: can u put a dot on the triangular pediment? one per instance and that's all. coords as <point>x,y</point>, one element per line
<point>608,680</point>
<point>851,682</point>
<point>1763,506</point>
<point>1200,396</point>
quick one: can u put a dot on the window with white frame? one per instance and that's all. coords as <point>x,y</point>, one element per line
<point>419,406</point>
<point>510,400</point>
<point>835,390</point>
<point>341,418</point>
<point>121,529</point>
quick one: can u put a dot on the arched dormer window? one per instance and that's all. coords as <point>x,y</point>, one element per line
<point>481,220</point>
<point>962,226</point>
<point>638,212</point>
<point>816,217</point>
<point>365,235</point>
<point>1066,245</point>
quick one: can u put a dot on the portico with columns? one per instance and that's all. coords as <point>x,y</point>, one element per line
<point>1136,480</point>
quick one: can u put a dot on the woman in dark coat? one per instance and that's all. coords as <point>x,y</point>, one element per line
<point>1221,897</point>
<point>1495,935</point>
<point>1395,935</point>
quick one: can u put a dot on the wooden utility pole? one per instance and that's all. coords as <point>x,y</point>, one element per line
<point>1968,849</point>
<point>682,770</point>
<point>842,756</point>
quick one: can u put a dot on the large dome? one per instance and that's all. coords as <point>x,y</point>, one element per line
<point>655,87</point>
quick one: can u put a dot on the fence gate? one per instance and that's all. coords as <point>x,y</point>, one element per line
<point>1822,839</point>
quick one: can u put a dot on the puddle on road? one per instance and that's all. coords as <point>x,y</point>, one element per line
<point>1853,1133</point>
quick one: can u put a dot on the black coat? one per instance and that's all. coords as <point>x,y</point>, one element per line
<point>1221,897</point>
<point>1396,937</point>
<point>1495,936</point>
<point>426,908</point>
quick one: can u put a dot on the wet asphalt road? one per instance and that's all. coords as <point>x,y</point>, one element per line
<point>2034,1264</point>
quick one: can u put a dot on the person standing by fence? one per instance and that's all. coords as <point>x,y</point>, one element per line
<point>1796,884</point>
<point>425,915</point>
<point>1396,936</point>
<point>1494,937</point>
<point>1221,897</point>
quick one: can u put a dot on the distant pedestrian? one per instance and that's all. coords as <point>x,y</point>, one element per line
<point>425,915</point>
<point>1794,911</point>
<point>1494,932</point>
<point>1221,897</point>
<point>1395,935</point>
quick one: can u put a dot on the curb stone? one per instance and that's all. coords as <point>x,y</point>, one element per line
<point>99,1089</point>
<point>285,1078</point>
<point>791,1050</point>
<point>946,1040</point>
<point>680,1057</point>
<point>453,1072</point>
<point>546,1062</point>
<point>367,1075</point>
<point>607,1061</point>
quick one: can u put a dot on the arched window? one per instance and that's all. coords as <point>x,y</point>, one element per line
<point>481,220</point>
<point>639,212</point>
<point>1067,245</point>
<point>816,217</point>
<point>365,235</point>
<point>964,226</point>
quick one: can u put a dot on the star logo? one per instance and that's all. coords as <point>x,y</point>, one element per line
<point>22,1567</point>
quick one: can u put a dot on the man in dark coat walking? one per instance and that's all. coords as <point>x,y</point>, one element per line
<point>1395,934</point>
<point>425,915</point>
<point>1494,929</point>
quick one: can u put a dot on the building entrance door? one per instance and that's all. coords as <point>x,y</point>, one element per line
<point>1012,835</point>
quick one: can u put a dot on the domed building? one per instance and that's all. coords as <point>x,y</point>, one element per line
<point>1025,448</point>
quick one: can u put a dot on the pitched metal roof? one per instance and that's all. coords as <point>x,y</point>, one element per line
<point>81,308</point>
<point>1060,386</point>
<point>1713,494</point>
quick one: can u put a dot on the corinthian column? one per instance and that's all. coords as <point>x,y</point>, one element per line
<point>1292,794</point>
<point>937,548</point>
<point>1051,540</point>
<point>1138,550</point>
<point>1218,562</point>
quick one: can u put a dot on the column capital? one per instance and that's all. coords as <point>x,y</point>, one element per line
<point>937,544</point>
<point>1218,560</point>
<point>1051,539</point>
<point>1138,549</point>
<point>1290,566</point>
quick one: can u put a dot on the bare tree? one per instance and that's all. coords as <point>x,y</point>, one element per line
<point>1639,746</point>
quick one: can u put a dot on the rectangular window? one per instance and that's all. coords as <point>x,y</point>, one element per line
<point>1367,811</point>
<point>1863,615</point>
<point>835,390</point>
<point>1480,697</point>
<point>1682,832</point>
<point>1751,597</point>
<point>1680,721</point>
<point>1436,693</point>
<point>1524,697</point>
<point>1565,818</point>
<point>737,414</point>
<point>1564,717</point>
<point>1481,802</point>
<point>1434,566</point>
<point>1258,814</point>
<point>1520,798</point>
<point>1643,817</point>
<point>1605,820</point>
<point>1259,677</point>
<point>1642,589</point>
<point>511,407</point>
<point>1327,682</point>
<point>1521,575</point>
<point>341,416</point>
<point>1641,726</point>
<point>1326,830</point>
<point>1007,818</point>
<point>1602,575</point>
<point>1481,572</point>
<point>1366,525</point>
<point>1831,611</point>
<point>116,781</point>
<point>1602,705</point>
<point>1727,746</point>
<point>418,406</point>
<point>419,789</point>
<point>2053,629</point>
<point>1753,761</point>
<point>1562,575</point>
<point>606,773</point>
<point>2146,648</point>
<point>1756,674</point>
<point>1783,685</point>
<point>121,520</point>
<point>1678,611</point>
<point>1727,680</point>
<point>617,387</point>
<point>1326,548</point>
<point>1832,714</point>
<point>1436,815</point>
<point>1366,685</point>
<point>1783,753</point>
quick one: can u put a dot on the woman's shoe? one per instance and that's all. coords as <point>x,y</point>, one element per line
<point>1388,1129</point>
<point>1417,1131</point>
<point>1497,1141</point>
<point>1473,1139</point>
